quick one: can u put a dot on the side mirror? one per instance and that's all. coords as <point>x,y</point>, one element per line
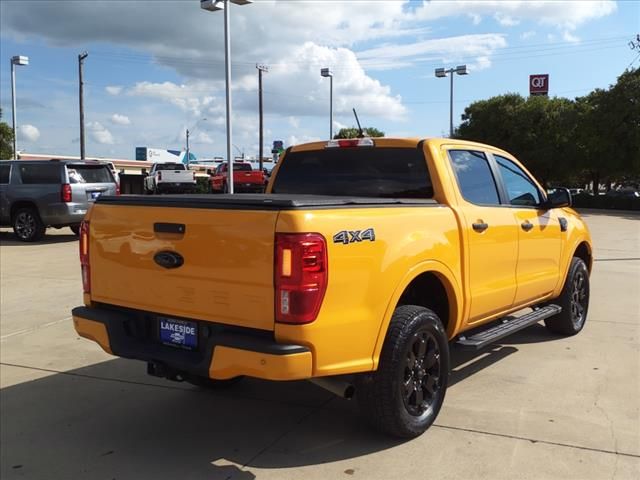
<point>558,198</point>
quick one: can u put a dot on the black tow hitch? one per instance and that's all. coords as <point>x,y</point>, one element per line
<point>159,369</point>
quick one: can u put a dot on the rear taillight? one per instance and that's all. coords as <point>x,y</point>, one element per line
<point>159,175</point>
<point>301,274</point>
<point>84,257</point>
<point>194,176</point>
<point>65,193</point>
<point>117,189</point>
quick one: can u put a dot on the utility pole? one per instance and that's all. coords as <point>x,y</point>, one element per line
<point>261,68</point>
<point>188,157</point>
<point>81,58</point>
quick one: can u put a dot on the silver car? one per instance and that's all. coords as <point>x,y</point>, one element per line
<point>35,195</point>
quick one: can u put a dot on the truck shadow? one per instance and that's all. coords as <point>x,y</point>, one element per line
<point>109,421</point>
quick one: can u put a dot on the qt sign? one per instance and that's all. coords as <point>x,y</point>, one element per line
<point>539,84</point>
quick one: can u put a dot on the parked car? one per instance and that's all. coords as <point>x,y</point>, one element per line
<point>245,179</point>
<point>623,193</point>
<point>38,194</point>
<point>170,178</point>
<point>366,257</point>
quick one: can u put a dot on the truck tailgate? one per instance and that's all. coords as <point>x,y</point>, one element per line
<point>226,277</point>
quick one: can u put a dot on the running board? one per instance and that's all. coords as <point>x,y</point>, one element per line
<point>509,325</point>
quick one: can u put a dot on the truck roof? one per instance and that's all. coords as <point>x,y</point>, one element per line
<point>406,142</point>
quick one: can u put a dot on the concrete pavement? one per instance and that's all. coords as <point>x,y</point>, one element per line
<point>536,406</point>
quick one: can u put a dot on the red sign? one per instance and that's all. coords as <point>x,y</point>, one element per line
<point>539,84</point>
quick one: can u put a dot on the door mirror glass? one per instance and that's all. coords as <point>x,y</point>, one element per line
<point>558,198</point>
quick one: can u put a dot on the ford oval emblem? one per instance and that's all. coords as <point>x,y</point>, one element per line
<point>168,259</point>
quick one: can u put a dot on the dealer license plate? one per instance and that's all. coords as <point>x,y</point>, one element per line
<point>178,333</point>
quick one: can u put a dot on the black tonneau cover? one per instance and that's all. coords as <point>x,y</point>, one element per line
<point>261,201</point>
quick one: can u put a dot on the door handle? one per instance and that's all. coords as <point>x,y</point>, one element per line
<point>526,226</point>
<point>480,227</point>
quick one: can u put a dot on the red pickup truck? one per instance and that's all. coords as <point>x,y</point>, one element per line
<point>245,179</point>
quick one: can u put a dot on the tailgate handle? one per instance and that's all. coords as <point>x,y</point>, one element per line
<point>180,228</point>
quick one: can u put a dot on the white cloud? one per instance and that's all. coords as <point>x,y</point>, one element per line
<point>99,133</point>
<point>29,133</point>
<point>527,35</point>
<point>118,119</point>
<point>569,37</point>
<point>203,137</point>
<point>506,20</point>
<point>452,49</point>
<point>113,89</point>
<point>294,122</point>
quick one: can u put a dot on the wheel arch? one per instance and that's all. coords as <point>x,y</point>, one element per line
<point>583,251</point>
<point>15,206</point>
<point>425,285</point>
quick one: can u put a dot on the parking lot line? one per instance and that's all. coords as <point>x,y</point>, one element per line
<point>33,329</point>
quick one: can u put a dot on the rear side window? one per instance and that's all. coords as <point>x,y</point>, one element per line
<point>360,172</point>
<point>89,174</point>
<point>40,173</point>
<point>4,172</point>
<point>520,188</point>
<point>475,179</point>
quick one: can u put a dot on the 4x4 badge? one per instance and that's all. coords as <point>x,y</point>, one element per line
<point>354,236</point>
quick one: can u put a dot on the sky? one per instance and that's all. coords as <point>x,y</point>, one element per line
<point>156,68</point>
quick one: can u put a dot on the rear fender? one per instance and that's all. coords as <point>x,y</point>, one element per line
<point>454,295</point>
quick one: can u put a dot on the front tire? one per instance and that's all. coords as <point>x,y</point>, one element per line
<point>27,225</point>
<point>403,397</point>
<point>574,301</point>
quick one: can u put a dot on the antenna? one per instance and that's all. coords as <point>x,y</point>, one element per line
<point>361,132</point>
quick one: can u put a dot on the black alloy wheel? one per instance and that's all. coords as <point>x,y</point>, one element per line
<point>422,372</point>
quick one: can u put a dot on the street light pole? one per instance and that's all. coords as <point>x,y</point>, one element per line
<point>188,156</point>
<point>214,6</point>
<point>442,72</point>
<point>81,58</point>
<point>261,68</point>
<point>326,72</point>
<point>16,60</point>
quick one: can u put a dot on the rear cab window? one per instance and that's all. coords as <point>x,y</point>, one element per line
<point>170,166</point>
<point>89,174</point>
<point>377,172</point>
<point>40,173</point>
<point>475,179</point>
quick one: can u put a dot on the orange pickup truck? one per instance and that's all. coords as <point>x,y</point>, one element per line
<point>362,265</point>
<point>245,179</point>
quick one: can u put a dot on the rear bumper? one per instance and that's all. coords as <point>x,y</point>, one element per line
<point>61,214</point>
<point>223,352</point>
<point>176,187</point>
<point>249,187</point>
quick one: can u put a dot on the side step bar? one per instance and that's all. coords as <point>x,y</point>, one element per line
<point>509,325</point>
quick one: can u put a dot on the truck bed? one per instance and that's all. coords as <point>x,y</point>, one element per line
<point>261,201</point>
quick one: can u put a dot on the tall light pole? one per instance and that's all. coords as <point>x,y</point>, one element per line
<point>442,72</point>
<point>326,72</point>
<point>81,58</point>
<point>188,158</point>
<point>16,60</point>
<point>261,68</point>
<point>214,6</point>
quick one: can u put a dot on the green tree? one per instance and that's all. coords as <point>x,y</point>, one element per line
<point>353,132</point>
<point>6,140</point>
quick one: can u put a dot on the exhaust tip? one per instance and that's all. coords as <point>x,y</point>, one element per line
<point>349,392</point>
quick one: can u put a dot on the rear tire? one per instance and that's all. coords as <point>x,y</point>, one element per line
<point>27,225</point>
<point>403,397</point>
<point>75,229</point>
<point>574,301</point>
<point>211,383</point>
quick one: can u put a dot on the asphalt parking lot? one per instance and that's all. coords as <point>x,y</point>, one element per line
<point>536,406</point>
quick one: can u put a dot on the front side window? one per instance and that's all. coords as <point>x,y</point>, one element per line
<point>475,179</point>
<point>5,168</point>
<point>520,188</point>
<point>40,173</point>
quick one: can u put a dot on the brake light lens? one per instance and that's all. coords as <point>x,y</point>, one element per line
<point>84,257</point>
<point>194,176</point>
<point>350,143</point>
<point>117,189</point>
<point>159,175</point>
<point>301,276</point>
<point>65,193</point>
